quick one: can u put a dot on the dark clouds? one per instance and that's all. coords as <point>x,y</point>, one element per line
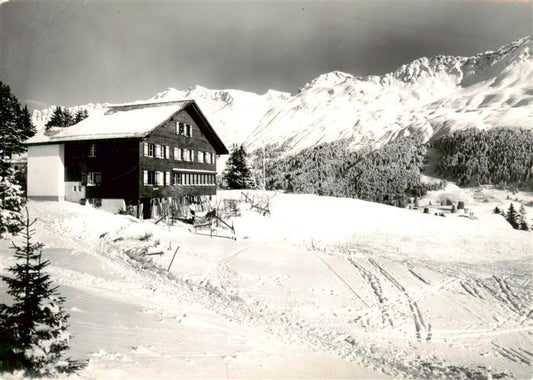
<point>73,53</point>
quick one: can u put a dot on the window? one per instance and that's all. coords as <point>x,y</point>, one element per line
<point>159,178</point>
<point>201,156</point>
<point>162,151</point>
<point>180,128</point>
<point>188,155</point>
<point>149,178</point>
<point>183,129</point>
<point>94,178</point>
<point>92,150</point>
<point>176,178</point>
<point>193,179</point>
<point>149,150</point>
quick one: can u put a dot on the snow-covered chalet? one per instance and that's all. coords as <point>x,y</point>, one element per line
<point>134,156</point>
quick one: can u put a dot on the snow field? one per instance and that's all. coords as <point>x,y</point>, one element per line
<point>323,287</point>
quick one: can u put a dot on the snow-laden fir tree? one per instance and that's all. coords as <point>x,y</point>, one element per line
<point>237,173</point>
<point>61,117</point>
<point>523,219</point>
<point>11,201</point>
<point>512,217</point>
<point>15,123</point>
<point>80,115</point>
<point>33,328</point>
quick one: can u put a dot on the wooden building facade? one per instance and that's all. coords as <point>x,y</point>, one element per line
<point>167,157</point>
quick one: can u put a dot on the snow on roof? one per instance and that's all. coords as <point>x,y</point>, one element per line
<point>122,121</point>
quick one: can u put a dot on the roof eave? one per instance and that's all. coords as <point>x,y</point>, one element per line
<point>219,146</point>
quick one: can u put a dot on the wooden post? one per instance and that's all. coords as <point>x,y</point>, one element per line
<point>138,209</point>
<point>171,261</point>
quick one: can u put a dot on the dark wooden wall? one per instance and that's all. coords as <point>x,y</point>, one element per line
<point>117,160</point>
<point>122,163</point>
<point>166,135</point>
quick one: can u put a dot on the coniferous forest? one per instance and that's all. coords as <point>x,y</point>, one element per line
<point>390,174</point>
<point>500,156</point>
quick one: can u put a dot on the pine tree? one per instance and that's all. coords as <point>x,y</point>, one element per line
<point>9,139</point>
<point>79,116</point>
<point>512,217</point>
<point>56,120</point>
<point>61,117</point>
<point>15,123</point>
<point>497,210</point>
<point>237,173</point>
<point>34,327</point>
<point>26,127</point>
<point>11,200</point>
<point>522,224</point>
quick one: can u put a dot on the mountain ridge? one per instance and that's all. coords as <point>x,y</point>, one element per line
<point>429,96</point>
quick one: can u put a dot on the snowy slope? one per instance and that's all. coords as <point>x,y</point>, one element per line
<point>429,95</point>
<point>322,288</point>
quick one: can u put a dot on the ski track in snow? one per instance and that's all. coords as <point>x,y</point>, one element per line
<point>400,315</point>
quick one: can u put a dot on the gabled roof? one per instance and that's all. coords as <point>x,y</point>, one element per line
<point>129,121</point>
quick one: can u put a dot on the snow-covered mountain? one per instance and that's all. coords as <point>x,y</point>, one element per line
<point>430,95</point>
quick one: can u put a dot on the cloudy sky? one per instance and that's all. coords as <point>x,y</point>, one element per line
<point>68,53</point>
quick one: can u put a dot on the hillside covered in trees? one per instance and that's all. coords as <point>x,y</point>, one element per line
<point>15,123</point>
<point>390,174</point>
<point>499,156</point>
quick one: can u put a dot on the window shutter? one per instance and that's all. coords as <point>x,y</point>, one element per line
<point>167,152</point>
<point>157,151</point>
<point>145,177</point>
<point>167,178</point>
<point>175,153</point>
<point>145,149</point>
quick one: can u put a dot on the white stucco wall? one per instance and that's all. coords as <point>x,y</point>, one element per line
<point>46,172</point>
